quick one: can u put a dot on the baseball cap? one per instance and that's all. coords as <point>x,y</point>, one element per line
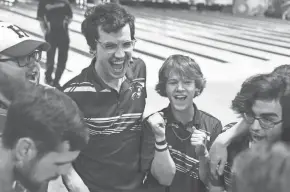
<point>15,42</point>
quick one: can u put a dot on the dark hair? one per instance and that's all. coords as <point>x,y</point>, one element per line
<point>111,17</point>
<point>185,67</point>
<point>258,87</point>
<point>284,71</point>
<point>48,117</point>
<point>263,168</point>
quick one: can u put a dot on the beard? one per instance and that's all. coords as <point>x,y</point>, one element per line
<point>26,177</point>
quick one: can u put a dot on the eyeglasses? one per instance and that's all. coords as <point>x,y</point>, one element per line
<point>111,47</point>
<point>25,60</point>
<point>264,123</point>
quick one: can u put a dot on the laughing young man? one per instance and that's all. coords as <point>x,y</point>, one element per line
<point>182,132</point>
<point>258,104</point>
<point>19,53</point>
<point>111,93</point>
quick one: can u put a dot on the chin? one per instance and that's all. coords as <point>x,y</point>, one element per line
<point>180,107</point>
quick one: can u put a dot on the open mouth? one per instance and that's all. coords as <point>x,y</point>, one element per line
<point>118,65</point>
<point>180,97</point>
<point>257,137</point>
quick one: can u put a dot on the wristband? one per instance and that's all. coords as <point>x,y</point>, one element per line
<point>164,142</point>
<point>161,150</point>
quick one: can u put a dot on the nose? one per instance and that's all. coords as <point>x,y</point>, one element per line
<point>256,126</point>
<point>180,86</point>
<point>120,53</point>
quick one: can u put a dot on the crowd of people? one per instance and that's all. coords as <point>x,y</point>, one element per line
<point>91,132</point>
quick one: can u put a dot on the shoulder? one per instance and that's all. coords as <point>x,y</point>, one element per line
<point>80,80</point>
<point>137,69</point>
<point>206,117</point>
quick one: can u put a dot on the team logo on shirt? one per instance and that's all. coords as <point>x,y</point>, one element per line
<point>136,89</point>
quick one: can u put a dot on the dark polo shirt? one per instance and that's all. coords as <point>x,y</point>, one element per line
<point>111,160</point>
<point>186,178</point>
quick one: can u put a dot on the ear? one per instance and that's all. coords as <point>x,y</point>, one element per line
<point>197,92</point>
<point>25,149</point>
<point>93,52</point>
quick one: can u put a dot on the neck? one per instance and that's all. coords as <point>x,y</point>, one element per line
<point>6,171</point>
<point>113,83</point>
<point>184,116</point>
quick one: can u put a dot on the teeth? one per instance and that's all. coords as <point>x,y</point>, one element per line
<point>180,97</point>
<point>118,62</point>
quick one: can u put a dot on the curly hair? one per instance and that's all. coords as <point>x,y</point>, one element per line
<point>185,67</point>
<point>284,71</point>
<point>258,87</point>
<point>111,17</point>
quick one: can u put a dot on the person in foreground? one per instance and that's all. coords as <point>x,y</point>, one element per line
<point>43,134</point>
<point>182,134</point>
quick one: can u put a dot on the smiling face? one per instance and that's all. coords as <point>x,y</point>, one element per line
<point>113,61</point>
<point>180,91</point>
<point>29,64</point>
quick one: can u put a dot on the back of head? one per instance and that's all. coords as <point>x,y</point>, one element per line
<point>263,168</point>
<point>48,117</point>
<point>259,87</point>
<point>111,17</point>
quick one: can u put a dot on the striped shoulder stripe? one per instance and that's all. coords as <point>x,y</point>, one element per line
<point>81,87</point>
<point>108,119</point>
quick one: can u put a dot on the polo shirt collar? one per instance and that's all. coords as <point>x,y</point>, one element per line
<point>196,119</point>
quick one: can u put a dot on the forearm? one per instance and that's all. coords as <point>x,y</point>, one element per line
<point>204,168</point>
<point>234,132</point>
<point>163,167</point>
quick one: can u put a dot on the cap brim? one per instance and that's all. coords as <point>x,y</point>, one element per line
<point>25,48</point>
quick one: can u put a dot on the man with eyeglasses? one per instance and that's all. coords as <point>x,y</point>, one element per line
<point>20,52</point>
<point>258,104</point>
<point>111,92</point>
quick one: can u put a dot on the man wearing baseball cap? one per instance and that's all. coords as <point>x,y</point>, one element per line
<point>17,48</point>
<point>19,56</point>
<point>20,51</point>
